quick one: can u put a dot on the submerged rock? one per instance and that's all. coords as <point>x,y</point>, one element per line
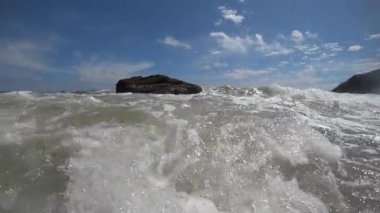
<point>157,84</point>
<point>361,83</point>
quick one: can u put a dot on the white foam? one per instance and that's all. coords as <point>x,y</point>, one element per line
<point>168,108</point>
<point>121,169</point>
<point>199,205</point>
<point>28,95</point>
<point>220,151</point>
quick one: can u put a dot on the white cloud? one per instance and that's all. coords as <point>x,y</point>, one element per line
<point>303,42</point>
<point>354,48</point>
<point>233,44</point>
<point>274,48</point>
<point>108,71</point>
<point>374,36</point>
<point>231,15</point>
<point>171,41</point>
<point>333,46</point>
<point>297,36</point>
<point>25,54</point>
<point>215,52</point>
<point>242,44</point>
<point>311,35</point>
<point>309,49</point>
<point>316,51</point>
<point>239,74</point>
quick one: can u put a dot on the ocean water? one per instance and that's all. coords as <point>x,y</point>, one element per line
<point>269,149</point>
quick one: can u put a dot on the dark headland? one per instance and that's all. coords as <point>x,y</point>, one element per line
<point>361,83</point>
<point>156,84</point>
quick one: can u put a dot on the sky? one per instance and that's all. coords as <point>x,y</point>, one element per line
<point>80,45</point>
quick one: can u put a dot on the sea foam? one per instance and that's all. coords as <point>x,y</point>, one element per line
<point>270,149</point>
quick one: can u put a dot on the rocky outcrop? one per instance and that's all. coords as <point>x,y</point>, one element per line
<point>157,84</point>
<point>361,83</point>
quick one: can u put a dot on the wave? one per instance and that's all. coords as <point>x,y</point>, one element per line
<point>227,149</point>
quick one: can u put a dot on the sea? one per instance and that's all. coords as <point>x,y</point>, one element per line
<point>227,149</point>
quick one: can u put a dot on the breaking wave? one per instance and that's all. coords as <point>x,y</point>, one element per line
<point>269,149</point>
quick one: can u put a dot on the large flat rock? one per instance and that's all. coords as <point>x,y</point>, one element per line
<point>361,83</point>
<point>157,84</point>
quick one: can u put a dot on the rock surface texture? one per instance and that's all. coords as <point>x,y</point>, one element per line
<point>157,84</point>
<point>361,83</point>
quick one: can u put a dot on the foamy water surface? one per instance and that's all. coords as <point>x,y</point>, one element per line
<point>269,149</point>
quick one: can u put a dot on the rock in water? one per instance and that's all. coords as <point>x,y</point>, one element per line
<point>157,84</point>
<point>361,83</point>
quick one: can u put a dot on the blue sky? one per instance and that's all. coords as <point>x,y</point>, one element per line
<point>75,45</point>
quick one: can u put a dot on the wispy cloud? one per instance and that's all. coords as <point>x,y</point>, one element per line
<point>270,49</point>
<point>215,52</point>
<point>333,46</point>
<point>303,77</point>
<point>311,35</point>
<point>231,15</point>
<point>354,48</point>
<point>25,54</point>
<point>240,74</point>
<point>311,75</point>
<point>306,77</point>
<point>233,44</point>
<point>243,44</point>
<point>308,49</point>
<point>218,23</point>
<point>173,42</point>
<point>215,65</point>
<point>309,46</point>
<point>374,36</point>
<point>108,71</point>
<point>314,50</point>
<point>365,64</point>
<point>340,70</point>
<point>323,56</point>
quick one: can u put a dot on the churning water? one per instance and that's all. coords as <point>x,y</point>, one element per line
<point>269,149</point>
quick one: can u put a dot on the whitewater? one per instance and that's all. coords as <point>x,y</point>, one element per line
<point>267,149</point>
